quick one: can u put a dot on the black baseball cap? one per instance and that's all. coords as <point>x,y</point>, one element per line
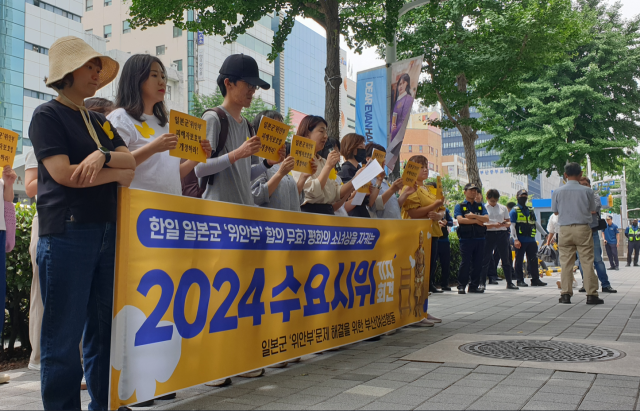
<point>245,68</point>
<point>471,186</point>
<point>522,192</point>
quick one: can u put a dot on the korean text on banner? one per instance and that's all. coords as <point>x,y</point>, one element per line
<point>303,150</point>
<point>272,135</point>
<point>371,106</point>
<point>190,131</point>
<point>379,156</point>
<point>205,290</point>
<point>8,145</point>
<point>410,174</point>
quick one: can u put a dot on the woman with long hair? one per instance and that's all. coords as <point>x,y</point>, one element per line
<point>402,103</point>
<point>142,120</point>
<point>321,190</point>
<point>80,165</point>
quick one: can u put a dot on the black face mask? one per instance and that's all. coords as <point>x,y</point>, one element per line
<point>522,201</point>
<point>361,156</point>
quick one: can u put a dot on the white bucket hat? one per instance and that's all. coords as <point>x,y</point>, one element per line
<point>67,54</point>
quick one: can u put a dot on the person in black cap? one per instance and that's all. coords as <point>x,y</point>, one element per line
<point>471,217</point>
<point>231,162</point>
<point>523,232</point>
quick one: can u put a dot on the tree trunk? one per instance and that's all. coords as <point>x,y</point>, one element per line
<point>332,71</point>
<point>469,137</point>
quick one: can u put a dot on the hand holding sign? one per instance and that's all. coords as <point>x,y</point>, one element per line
<point>410,174</point>
<point>379,155</point>
<point>303,151</point>
<point>190,131</point>
<point>272,135</point>
<point>8,144</point>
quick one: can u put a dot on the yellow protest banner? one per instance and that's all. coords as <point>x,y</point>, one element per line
<point>8,145</point>
<point>410,174</point>
<point>206,290</point>
<point>439,194</point>
<point>272,135</point>
<point>303,150</point>
<point>190,131</point>
<point>379,155</point>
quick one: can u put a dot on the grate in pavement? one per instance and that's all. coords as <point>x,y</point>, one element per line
<point>541,351</point>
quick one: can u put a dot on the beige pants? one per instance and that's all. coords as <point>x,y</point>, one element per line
<point>36,309</point>
<point>577,237</point>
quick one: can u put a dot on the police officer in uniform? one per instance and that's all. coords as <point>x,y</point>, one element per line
<point>471,217</point>
<point>523,232</point>
<point>633,235</point>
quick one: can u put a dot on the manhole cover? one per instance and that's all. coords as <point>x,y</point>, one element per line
<point>542,351</point>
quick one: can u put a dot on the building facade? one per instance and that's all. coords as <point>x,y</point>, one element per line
<point>455,167</point>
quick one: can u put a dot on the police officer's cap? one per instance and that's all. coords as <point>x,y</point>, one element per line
<point>471,186</point>
<point>522,192</point>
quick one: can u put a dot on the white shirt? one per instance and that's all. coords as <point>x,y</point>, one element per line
<point>31,162</point>
<point>552,225</point>
<point>160,172</point>
<point>497,214</point>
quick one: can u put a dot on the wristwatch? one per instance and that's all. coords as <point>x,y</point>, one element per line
<point>107,154</point>
<point>374,185</point>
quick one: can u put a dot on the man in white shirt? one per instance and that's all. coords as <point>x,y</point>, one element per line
<point>497,239</point>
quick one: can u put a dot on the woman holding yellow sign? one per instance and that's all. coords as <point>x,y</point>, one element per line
<point>142,121</point>
<point>322,189</point>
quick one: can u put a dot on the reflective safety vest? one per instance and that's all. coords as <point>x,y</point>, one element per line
<point>471,230</point>
<point>525,226</point>
<point>634,235</point>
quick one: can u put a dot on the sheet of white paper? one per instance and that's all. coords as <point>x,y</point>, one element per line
<point>369,173</point>
<point>358,198</point>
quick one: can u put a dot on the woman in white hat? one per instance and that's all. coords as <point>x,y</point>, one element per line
<point>81,161</point>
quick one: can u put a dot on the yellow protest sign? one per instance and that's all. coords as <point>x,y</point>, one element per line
<point>8,145</point>
<point>206,290</point>
<point>410,174</point>
<point>190,131</point>
<point>272,134</point>
<point>303,150</point>
<point>379,155</point>
<point>439,194</point>
<point>365,189</point>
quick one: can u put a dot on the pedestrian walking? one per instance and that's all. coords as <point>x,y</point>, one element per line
<point>611,238</point>
<point>598,263</point>
<point>444,251</point>
<point>77,210</point>
<point>523,231</point>
<point>633,237</point>
<point>496,239</point>
<point>574,205</point>
<point>471,217</point>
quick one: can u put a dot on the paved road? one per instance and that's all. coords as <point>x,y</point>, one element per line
<point>371,375</point>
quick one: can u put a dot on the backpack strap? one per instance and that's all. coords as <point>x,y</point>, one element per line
<point>222,140</point>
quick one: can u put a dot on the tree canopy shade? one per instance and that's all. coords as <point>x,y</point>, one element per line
<point>362,22</point>
<point>477,49</point>
<point>584,106</point>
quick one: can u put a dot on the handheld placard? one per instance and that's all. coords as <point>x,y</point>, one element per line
<point>379,155</point>
<point>303,151</point>
<point>190,131</point>
<point>272,135</point>
<point>8,144</point>
<point>410,174</point>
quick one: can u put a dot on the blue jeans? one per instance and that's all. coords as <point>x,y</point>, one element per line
<point>3,276</point>
<point>76,279</point>
<point>601,269</point>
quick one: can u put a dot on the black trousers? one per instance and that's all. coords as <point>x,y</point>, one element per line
<point>471,251</point>
<point>633,246</point>
<point>444,256</point>
<point>497,241</point>
<point>612,254</point>
<point>531,250</point>
<point>432,262</point>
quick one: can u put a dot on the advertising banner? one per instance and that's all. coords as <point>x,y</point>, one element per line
<point>206,290</point>
<point>404,84</point>
<point>371,105</point>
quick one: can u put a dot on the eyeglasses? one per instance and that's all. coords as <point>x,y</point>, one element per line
<point>250,86</point>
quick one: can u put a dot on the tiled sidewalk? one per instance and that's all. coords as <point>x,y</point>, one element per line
<point>371,375</point>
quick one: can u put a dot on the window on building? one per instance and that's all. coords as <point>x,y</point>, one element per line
<point>266,76</point>
<point>253,43</point>
<point>436,152</point>
<point>56,10</point>
<point>37,49</point>
<point>38,95</point>
<point>265,21</point>
<point>168,92</point>
<point>160,50</point>
<point>90,31</point>
<point>89,6</point>
<point>420,149</point>
<point>126,27</point>
<point>107,31</point>
<point>107,3</point>
<point>177,32</point>
<point>436,167</point>
<point>410,148</point>
<point>179,64</point>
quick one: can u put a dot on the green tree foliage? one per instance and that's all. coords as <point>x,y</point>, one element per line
<point>575,108</point>
<point>452,190</point>
<point>362,22</point>
<point>477,49</point>
<point>19,275</point>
